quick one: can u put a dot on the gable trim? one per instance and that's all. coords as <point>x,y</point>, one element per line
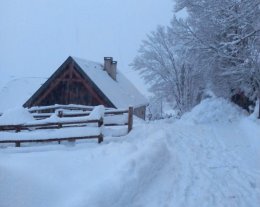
<point>72,64</point>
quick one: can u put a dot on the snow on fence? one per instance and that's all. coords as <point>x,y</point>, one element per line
<point>58,117</point>
<point>112,117</point>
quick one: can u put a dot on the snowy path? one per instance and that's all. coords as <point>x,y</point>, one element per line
<point>164,164</point>
<point>201,172</point>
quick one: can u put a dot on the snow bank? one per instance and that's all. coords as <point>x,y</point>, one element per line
<point>214,110</point>
<point>17,115</point>
<point>212,162</point>
<point>17,91</point>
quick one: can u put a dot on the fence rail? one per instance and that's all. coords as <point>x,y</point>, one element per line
<point>52,108</point>
<point>70,139</point>
<point>68,115</point>
<point>47,125</point>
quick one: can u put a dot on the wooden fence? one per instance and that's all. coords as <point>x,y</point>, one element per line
<point>70,116</point>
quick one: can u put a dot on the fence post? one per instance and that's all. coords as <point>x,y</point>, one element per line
<point>130,118</point>
<point>17,129</point>
<point>100,122</point>
<point>60,113</point>
<point>100,125</point>
<point>100,138</point>
<point>17,144</point>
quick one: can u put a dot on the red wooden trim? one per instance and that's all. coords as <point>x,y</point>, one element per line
<point>50,88</point>
<point>90,89</point>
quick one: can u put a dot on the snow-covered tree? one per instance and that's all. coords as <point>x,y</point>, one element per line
<point>225,39</point>
<point>169,76</point>
<point>216,47</point>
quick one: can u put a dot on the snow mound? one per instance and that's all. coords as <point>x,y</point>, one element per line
<point>18,115</point>
<point>157,164</point>
<point>213,110</point>
<point>17,91</point>
<point>97,112</point>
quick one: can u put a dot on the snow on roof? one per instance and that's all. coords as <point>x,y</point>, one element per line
<point>17,91</point>
<point>122,93</point>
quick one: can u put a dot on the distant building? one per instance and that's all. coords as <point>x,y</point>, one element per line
<point>83,82</point>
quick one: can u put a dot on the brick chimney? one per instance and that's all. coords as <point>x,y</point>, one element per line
<point>110,66</point>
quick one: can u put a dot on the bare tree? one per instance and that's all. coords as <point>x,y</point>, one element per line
<point>165,71</point>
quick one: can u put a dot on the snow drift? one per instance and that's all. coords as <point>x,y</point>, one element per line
<point>214,110</point>
<point>208,158</point>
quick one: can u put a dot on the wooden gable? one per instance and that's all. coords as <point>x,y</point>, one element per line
<point>69,85</point>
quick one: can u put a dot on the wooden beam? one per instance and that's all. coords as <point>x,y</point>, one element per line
<point>68,79</point>
<point>18,142</point>
<point>100,138</point>
<point>49,89</point>
<point>50,125</point>
<point>90,89</point>
<point>69,88</point>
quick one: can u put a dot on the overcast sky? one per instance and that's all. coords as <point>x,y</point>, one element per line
<point>38,35</point>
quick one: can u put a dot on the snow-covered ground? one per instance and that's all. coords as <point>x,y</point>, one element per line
<point>208,158</point>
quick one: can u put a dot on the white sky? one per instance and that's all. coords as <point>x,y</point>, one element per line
<point>38,35</point>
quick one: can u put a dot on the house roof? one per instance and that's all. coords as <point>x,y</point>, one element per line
<point>121,92</point>
<point>17,91</point>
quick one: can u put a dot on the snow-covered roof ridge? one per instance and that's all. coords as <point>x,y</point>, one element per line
<point>79,59</point>
<point>121,92</point>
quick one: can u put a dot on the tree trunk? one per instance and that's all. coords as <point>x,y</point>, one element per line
<point>259,107</point>
<point>258,104</point>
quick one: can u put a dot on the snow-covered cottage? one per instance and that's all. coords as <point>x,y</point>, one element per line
<point>79,81</point>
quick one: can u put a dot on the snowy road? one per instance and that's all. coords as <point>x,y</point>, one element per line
<point>186,163</point>
<point>201,171</point>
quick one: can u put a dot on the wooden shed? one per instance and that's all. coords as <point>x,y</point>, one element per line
<point>78,81</point>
